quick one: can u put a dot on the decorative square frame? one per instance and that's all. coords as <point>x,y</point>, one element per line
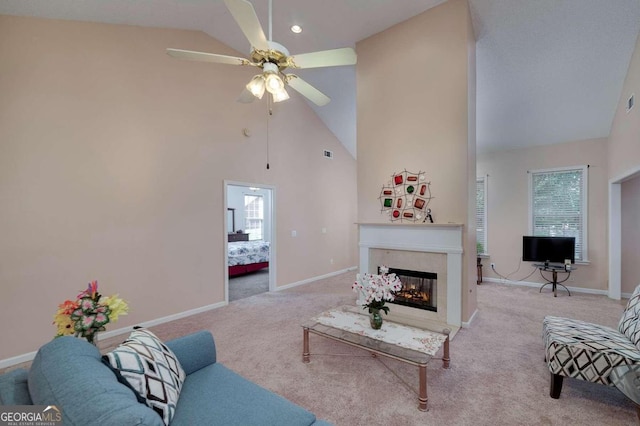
<point>406,196</point>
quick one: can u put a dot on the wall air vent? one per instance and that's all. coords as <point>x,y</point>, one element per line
<point>630,102</point>
<point>328,154</point>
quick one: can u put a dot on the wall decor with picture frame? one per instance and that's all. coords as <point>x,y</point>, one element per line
<point>406,197</point>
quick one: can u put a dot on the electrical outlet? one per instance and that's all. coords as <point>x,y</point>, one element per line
<point>493,265</point>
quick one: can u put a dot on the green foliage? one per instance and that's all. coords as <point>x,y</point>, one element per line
<point>377,306</point>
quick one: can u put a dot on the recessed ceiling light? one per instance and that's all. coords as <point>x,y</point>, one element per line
<point>296,29</point>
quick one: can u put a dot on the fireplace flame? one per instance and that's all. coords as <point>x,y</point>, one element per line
<point>413,294</point>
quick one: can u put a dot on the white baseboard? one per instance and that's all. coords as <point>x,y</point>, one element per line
<point>312,279</point>
<point>9,362</point>
<point>15,360</point>
<point>467,324</point>
<point>538,285</point>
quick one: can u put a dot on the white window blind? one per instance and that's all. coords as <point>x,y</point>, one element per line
<point>558,205</point>
<point>254,216</point>
<point>481,214</point>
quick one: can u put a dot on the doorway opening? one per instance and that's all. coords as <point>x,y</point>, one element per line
<point>249,239</point>
<point>616,237</point>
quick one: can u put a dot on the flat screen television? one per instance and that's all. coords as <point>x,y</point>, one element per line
<point>548,249</point>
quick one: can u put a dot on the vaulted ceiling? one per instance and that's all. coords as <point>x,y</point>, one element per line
<point>548,71</point>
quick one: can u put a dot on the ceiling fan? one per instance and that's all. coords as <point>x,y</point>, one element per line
<point>273,58</point>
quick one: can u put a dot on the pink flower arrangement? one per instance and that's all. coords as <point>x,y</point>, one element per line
<point>377,289</point>
<point>88,314</point>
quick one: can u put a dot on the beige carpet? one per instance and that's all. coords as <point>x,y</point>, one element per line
<point>248,285</point>
<point>497,373</point>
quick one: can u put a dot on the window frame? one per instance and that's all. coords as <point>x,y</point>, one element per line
<point>583,258</point>
<point>247,218</point>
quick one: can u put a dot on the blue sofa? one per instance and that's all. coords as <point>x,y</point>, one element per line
<point>68,373</point>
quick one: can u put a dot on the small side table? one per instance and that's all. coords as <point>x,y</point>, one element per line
<point>479,258</point>
<point>627,379</point>
<point>554,268</point>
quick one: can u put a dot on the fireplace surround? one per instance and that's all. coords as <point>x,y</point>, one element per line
<point>436,248</point>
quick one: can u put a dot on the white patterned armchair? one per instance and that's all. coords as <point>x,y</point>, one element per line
<point>589,352</point>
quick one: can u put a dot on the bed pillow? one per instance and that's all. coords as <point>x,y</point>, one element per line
<point>152,370</point>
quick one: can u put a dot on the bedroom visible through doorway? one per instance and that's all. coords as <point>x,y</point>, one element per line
<point>249,239</point>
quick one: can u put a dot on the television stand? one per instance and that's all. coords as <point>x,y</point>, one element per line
<point>554,268</point>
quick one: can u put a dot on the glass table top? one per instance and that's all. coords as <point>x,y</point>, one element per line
<point>359,340</point>
<point>627,379</point>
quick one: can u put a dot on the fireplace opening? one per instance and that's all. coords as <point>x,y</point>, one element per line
<point>419,289</point>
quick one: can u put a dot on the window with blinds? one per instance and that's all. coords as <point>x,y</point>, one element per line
<point>254,216</point>
<point>481,214</point>
<point>558,205</point>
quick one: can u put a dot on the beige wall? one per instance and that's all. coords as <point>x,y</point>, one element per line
<point>624,161</point>
<point>507,194</point>
<point>112,161</point>
<point>624,139</point>
<point>613,158</point>
<point>415,88</point>
<point>630,234</point>
<point>469,233</point>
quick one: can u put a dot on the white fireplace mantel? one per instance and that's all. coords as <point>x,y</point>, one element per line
<point>429,238</point>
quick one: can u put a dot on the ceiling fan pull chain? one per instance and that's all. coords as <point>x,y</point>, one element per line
<point>269,114</point>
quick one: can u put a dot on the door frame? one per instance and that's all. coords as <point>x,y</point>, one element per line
<point>615,232</point>
<point>272,246</point>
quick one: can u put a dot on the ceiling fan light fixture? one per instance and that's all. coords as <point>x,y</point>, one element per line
<point>274,83</point>
<point>256,86</point>
<point>280,95</point>
<point>273,58</point>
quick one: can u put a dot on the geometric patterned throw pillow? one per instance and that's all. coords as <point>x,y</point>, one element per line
<point>152,370</point>
<point>629,324</point>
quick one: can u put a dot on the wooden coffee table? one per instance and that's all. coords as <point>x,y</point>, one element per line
<point>382,342</point>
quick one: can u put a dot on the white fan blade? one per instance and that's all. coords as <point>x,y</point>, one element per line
<point>307,90</point>
<point>207,57</point>
<point>245,15</point>
<point>246,97</point>
<point>325,58</point>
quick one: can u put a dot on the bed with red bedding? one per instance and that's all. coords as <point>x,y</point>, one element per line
<point>248,256</point>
